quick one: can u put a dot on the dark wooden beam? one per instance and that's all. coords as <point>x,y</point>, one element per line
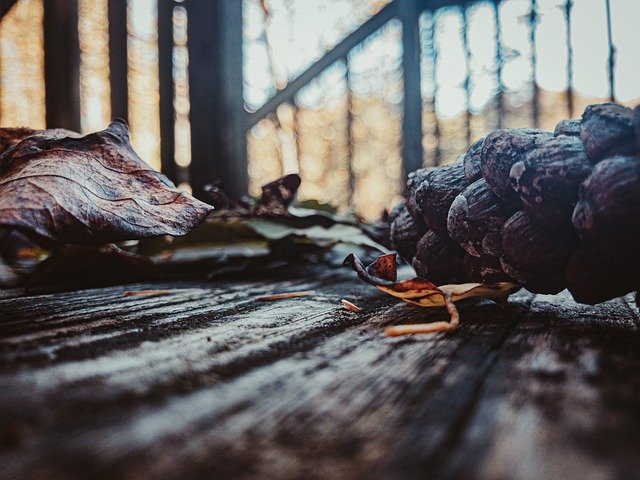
<point>412,154</point>
<point>165,68</point>
<point>62,64</point>
<point>218,131</point>
<point>234,138</point>
<point>118,65</point>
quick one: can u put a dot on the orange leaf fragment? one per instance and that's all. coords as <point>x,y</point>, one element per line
<point>350,306</point>
<point>417,290</point>
<point>31,253</point>
<point>280,296</point>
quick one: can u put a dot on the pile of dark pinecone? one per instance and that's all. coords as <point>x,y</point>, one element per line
<point>545,210</point>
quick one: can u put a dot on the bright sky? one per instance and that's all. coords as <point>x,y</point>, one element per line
<point>319,24</point>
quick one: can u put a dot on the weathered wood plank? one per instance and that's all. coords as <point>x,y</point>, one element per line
<point>210,383</point>
<point>558,398</point>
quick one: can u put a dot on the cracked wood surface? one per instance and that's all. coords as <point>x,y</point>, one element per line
<point>206,382</point>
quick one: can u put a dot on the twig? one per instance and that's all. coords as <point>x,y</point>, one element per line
<point>451,326</point>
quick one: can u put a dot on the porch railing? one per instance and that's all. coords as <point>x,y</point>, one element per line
<point>219,121</point>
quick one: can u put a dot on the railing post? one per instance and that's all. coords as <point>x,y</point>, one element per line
<point>118,65</point>
<point>62,64</point>
<point>412,155</point>
<point>165,73</point>
<point>217,115</point>
<point>533,21</point>
<point>567,13</point>
<point>611,60</point>
<point>499,65</point>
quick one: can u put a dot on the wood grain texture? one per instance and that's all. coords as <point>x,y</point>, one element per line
<point>206,382</point>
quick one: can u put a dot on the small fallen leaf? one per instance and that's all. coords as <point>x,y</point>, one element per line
<point>417,290</point>
<point>319,235</point>
<point>350,306</point>
<point>279,296</point>
<point>277,196</point>
<point>273,218</point>
<point>31,253</point>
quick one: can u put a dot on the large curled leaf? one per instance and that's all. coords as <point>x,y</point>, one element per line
<point>417,290</point>
<point>89,190</point>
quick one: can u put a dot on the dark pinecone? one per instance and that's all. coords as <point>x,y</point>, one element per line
<point>546,210</point>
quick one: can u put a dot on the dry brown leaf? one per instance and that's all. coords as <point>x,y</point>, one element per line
<point>89,190</point>
<point>277,196</point>
<point>383,274</point>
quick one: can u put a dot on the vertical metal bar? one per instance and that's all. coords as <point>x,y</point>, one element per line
<point>567,14</point>
<point>430,35</point>
<point>62,64</point>
<point>233,163</point>
<point>612,54</point>
<point>118,65</point>
<point>166,88</point>
<point>217,115</point>
<point>350,149</point>
<point>533,20</point>
<point>499,65</point>
<point>467,79</point>
<point>204,115</point>
<point>412,117</point>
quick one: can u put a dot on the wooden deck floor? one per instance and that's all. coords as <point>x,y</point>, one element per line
<point>209,383</point>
